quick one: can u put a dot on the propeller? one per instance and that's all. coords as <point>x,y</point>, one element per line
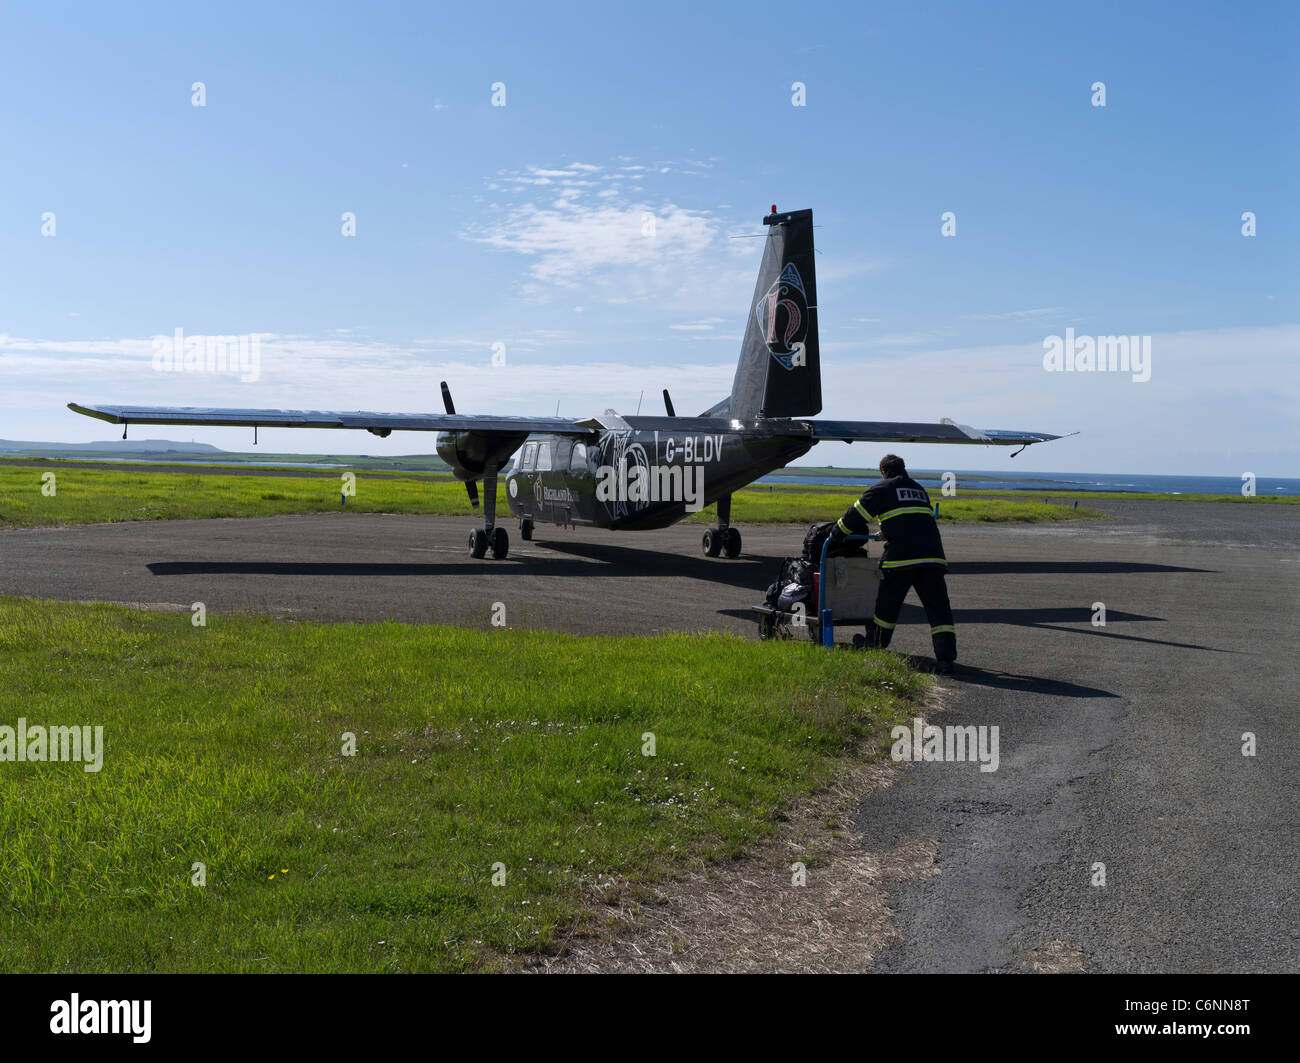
<point>471,488</point>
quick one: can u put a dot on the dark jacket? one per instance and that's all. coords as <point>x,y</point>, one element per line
<point>907,523</point>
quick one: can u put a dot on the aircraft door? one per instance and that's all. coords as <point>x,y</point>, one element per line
<point>582,481</point>
<point>528,493</point>
<point>544,480</point>
<point>563,487</point>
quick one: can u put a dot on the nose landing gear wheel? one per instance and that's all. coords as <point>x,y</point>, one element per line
<point>731,542</point>
<point>712,543</point>
<point>500,543</point>
<point>478,543</point>
<point>526,530</point>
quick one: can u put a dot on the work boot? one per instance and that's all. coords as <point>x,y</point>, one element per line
<point>944,667</point>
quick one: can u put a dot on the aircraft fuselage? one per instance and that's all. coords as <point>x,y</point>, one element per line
<point>640,478</point>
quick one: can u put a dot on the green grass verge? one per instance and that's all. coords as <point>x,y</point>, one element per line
<point>224,745</point>
<point>418,463</point>
<point>92,496</point>
<point>235,468</point>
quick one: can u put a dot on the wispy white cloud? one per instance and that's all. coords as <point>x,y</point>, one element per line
<point>624,243</point>
<point>704,325</point>
<point>910,339</point>
<point>1021,315</point>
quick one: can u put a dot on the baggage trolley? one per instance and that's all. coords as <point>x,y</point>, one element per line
<point>845,590</point>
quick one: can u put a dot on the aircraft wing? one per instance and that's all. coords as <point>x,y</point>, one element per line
<point>945,431</point>
<point>378,423</point>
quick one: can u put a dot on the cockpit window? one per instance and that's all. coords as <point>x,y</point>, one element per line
<point>543,457</point>
<point>530,457</point>
<point>579,459</point>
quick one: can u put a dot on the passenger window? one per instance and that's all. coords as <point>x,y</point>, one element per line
<point>579,459</point>
<point>543,457</point>
<point>530,456</point>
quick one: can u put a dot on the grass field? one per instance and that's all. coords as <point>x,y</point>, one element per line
<point>97,495</point>
<point>239,459</point>
<point>224,745</point>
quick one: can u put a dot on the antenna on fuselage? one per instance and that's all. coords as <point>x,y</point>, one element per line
<point>668,404</point>
<point>638,402</point>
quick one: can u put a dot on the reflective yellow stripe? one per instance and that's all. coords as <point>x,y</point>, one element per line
<point>865,515</point>
<point>881,623</point>
<point>840,524</point>
<point>915,561</point>
<point>942,628</point>
<point>907,509</point>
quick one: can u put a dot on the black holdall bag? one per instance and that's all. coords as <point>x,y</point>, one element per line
<point>813,539</point>
<point>794,570</point>
<point>816,535</point>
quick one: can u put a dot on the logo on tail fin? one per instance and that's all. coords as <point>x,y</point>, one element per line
<point>783,316</point>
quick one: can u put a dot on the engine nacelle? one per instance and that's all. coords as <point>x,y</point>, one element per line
<point>470,453</point>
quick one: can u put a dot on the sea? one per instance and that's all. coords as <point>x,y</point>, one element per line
<point>1081,482</point>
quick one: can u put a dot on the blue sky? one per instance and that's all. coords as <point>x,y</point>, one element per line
<point>522,225</point>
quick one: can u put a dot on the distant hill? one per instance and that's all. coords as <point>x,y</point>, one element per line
<point>109,447</point>
<point>169,451</point>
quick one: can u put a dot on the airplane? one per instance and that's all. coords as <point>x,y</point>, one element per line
<point>638,472</point>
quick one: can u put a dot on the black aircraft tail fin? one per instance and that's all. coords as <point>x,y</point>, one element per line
<point>779,373</point>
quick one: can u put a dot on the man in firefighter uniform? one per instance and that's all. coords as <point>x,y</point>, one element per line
<point>913,557</point>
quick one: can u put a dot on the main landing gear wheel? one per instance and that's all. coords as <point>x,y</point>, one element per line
<point>526,530</point>
<point>724,537</point>
<point>489,535</point>
<point>478,543</point>
<point>500,543</point>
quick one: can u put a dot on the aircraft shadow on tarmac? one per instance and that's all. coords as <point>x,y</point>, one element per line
<point>1053,619</point>
<point>754,573</point>
<point>587,559</point>
<point>747,571</point>
<point>1029,568</point>
<point>1047,619</point>
<point>528,566</point>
